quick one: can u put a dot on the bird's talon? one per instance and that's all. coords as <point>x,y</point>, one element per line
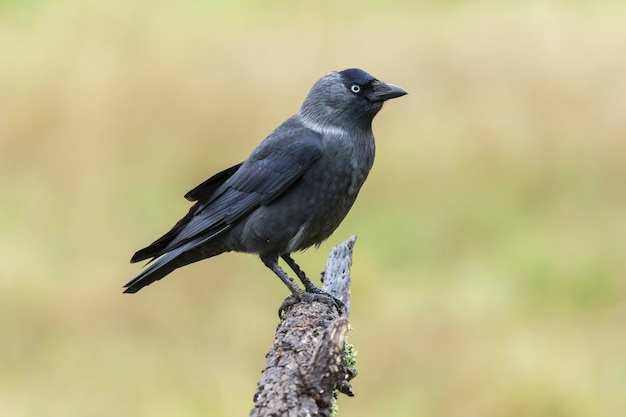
<point>287,304</point>
<point>316,294</point>
<point>324,298</point>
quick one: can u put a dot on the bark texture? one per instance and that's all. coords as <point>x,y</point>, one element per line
<point>307,363</point>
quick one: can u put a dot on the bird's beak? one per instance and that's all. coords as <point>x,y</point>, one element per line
<point>382,91</point>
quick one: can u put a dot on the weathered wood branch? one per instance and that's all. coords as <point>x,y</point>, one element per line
<point>307,363</point>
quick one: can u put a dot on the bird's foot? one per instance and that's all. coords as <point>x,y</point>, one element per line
<point>322,296</point>
<point>287,304</point>
<point>312,294</point>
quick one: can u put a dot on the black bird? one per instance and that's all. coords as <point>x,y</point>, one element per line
<point>291,193</point>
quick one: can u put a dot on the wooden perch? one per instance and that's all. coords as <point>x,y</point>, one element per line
<point>307,363</point>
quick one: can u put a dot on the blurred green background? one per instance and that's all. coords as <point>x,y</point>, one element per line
<point>489,274</point>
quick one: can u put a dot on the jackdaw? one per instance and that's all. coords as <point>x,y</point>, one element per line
<point>291,193</point>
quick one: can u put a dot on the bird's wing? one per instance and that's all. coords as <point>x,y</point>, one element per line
<point>206,189</point>
<point>274,166</point>
<point>203,192</point>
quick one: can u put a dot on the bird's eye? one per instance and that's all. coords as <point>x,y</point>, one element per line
<point>355,88</point>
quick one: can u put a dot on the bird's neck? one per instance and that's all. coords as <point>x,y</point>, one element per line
<point>323,127</point>
<point>333,121</point>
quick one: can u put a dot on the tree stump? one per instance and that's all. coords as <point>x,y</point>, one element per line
<point>306,366</point>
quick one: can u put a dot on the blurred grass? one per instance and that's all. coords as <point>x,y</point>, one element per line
<point>489,271</point>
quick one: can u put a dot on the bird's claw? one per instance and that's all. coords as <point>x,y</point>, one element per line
<point>312,294</point>
<point>322,296</point>
<point>287,304</point>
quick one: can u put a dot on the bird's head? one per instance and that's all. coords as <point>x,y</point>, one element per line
<point>348,96</point>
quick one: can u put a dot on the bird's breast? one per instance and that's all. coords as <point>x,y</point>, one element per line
<point>311,209</point>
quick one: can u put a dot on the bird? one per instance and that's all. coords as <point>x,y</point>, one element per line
<point>292,191</point>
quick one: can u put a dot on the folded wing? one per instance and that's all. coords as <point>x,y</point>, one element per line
<point>227,197</point>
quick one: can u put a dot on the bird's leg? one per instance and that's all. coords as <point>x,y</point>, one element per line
<point>313,293</point>
<point>297,294</point>
<point>272,263</point>
<point>317,294</point>
<point>308,284</point>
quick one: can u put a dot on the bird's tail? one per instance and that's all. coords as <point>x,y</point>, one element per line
<point>154,271</point>
<point>167,263</point>
<point>162,264</point>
